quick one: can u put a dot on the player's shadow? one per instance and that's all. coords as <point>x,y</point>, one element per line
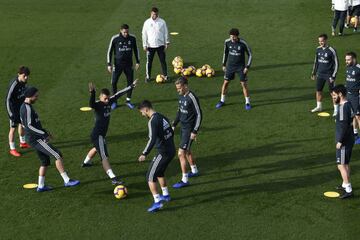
<point>279,65</point>
<point>279,149</point>
<point>273,101</point>
<point>273,186</point>
<point>255,95</point>
<point>111,139</point>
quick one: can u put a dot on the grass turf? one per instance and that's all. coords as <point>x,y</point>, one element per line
<point>263,171</point>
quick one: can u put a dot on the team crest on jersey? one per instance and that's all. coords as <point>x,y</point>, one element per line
<point>120,43</point>
<point>185,103</point>
<point>129,42</point>
<point>239,47</point>
<point>326,55</point>
<point>166,125</point>
<point>353,72</point>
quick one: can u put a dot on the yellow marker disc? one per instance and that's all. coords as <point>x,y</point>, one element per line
<point>324,114</point>
<point>85,109</point>
<point>331,194</point>
<point>30,186</point>
<point>174,33</point>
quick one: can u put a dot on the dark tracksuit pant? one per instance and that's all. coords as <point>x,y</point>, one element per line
<point>129,73</point>
<point>150,57</point>
<point>339,15</point>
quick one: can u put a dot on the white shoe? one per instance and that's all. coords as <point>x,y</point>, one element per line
<point>335,113</point>
<point>317,109</point>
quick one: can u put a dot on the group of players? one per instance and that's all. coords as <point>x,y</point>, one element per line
<point>161,132</point>
<point>20,100</point>
<point>345,101</point>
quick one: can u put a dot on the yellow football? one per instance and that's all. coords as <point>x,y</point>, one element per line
<point>209,72</point>
<point>177,70</point>
<point>120,192</point>
<point>352,21</point>
<point>160,78</point>
<point>199,72</point>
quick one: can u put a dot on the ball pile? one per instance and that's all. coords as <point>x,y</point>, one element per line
<point>178,64</point>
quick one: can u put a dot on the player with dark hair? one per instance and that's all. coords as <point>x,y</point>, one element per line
<point>344,138</point>
<point>161,135</point>
<point>39,138</point>
<point>189,114</point>
<point>325,68</point>
<point>353,88</point>
<point>14,99</point>
<point>155,39</point>
<point>122,46</point>
<point>235,49</point>
<point>102,110</point>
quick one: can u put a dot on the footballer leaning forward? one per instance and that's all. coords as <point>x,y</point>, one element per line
<point>161,135</point>
<point>39,138</point>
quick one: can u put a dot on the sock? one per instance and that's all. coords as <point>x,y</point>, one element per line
<point>194,168</point>
<point>348,187</point>
<point>87,159</point>
<point>247,100</point>
<point>110,173</point>
<point>165,191</point>
<point>41,182</point>
<point>185,177</point>
<point>156,198</point>
<point>12,145</point>
<point>222,99</point>
<point>22,139</point>
<point>65,177</point>
<point>356,131</point>
<point>128,99</point>
<point>318,105</point>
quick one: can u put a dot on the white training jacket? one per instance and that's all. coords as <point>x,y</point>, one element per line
<point>341,5</point>
<point>155,33</point>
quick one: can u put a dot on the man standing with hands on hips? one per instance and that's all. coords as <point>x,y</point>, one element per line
<point>155,39</point>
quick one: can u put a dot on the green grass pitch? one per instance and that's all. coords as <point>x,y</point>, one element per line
<point>263,172</point>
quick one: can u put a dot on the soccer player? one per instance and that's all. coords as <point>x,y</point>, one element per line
<point>14,98</point>
<point>353,11</point>
<point>123,45</point>
<point>155,39</point>
<point>161,135</point>
<point>353,88</point>
<point>344,138</point>
<point>39,138</point>
<point>234,62</point>
<point>324,70</point>
<point>189,114</point>
<point>340,8</point>
<point>102,110</point>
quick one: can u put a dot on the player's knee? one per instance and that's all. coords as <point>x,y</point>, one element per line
<point>181,153</point>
